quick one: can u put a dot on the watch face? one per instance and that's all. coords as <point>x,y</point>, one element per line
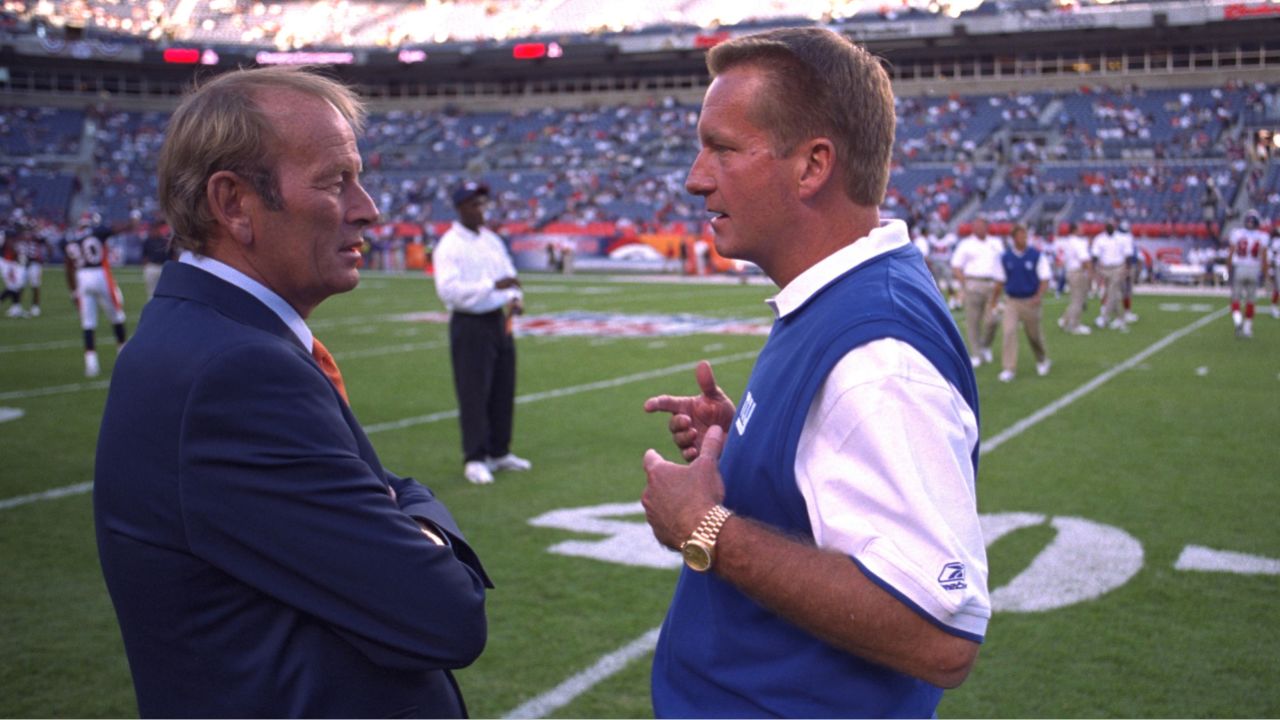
<point>696,555</point>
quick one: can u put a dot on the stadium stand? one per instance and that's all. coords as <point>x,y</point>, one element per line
<point>626,163</point>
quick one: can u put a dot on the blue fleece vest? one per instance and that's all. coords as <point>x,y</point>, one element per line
<point>1020,278</point>
<point>722,655</point>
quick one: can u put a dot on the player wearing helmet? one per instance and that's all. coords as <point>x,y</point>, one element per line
<point>1247,263</point>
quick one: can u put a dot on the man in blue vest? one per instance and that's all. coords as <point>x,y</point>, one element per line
<point>835,565</point>
<point>1025,276</point>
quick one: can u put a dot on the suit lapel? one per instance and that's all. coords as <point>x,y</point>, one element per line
<point>190,283</point>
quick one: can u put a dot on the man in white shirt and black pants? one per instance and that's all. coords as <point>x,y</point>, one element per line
<point>477,282</point>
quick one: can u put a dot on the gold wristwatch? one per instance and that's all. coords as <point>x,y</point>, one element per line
<point>699,550</point>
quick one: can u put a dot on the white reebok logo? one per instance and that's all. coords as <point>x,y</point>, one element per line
<point>744,414</point>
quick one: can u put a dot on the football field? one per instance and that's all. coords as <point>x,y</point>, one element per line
<point>1129,499</point>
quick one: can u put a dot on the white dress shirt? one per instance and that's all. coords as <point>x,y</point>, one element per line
<point>467,264</point>
<point>884,464</point>
<point>978,258</point>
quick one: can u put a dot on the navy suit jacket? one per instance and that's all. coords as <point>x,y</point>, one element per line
<point>257,561</point>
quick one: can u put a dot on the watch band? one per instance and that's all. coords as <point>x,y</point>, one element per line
<point>708,531</point>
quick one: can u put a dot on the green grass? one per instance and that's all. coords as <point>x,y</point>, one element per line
<point>1178,450</point>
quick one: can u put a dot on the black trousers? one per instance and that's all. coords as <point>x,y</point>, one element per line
<point>484,377</point>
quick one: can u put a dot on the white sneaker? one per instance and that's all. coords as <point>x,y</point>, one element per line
<point>1119,324</point>
<point>987,355</point>
<point>35,311</point>
<point>1062,323</point>
<point>975,361</point>
<point>1005,376</point>
<point>1275,311</point>
<point>1042,368</point>
<point>91,368</point>
<point>1248,328</point>
<point>1082,330</point>
<point>477,473</point>
<point>1131,317</point>
<point>15,311</point>
<point>510,461</point>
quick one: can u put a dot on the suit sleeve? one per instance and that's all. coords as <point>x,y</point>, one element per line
<point>275,493</point>
<point>417,501</point>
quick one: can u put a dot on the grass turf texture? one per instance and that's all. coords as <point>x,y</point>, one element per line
<point>1176,451</point>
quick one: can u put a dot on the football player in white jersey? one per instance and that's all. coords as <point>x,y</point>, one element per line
<point>1133,263</point>
<point>30,249</point>
<point>92,286</point>
<point>1247,263</point>
<point>936,246</point>
<point>12,275</point>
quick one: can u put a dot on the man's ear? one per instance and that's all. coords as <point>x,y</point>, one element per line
<point>229,200</point>
<point>818,161</point>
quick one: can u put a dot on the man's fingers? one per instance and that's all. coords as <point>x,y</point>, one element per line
<point>707,380</point>
<point>713,443</point>
<point>662,403</point>
<point>679,423</point>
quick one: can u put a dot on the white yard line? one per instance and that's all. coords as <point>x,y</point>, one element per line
<point>569,690</point>
<point>101,384</point>
<point>50,345</point>
<point>1052,408</point>
<point>81,488</point>
<point>604,668</point>
<point>77,489</point>
<point>54,390</point>
<point>561,392</point>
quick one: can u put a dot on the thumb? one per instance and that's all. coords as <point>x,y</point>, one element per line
<point>707,380</point>
<point>712,443</point>
<point>652,459</point>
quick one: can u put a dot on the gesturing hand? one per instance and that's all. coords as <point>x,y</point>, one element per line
<point>677,496</point>
<point>692,415</point>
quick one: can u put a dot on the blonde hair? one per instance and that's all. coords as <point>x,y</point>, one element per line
<point>821,85</point>
<point>221,125</point>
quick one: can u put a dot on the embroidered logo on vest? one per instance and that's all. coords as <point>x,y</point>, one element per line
<point>745,412</point>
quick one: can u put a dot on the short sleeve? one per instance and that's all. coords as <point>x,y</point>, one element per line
<point>885,467</point>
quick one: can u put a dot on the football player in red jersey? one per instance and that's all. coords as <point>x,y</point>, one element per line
<point>92,286</point>
<point>1247,262</point>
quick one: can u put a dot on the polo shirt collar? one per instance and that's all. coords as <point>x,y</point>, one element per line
<point>891,235</point>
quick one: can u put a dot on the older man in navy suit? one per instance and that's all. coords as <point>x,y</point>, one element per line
<point>261,560</point>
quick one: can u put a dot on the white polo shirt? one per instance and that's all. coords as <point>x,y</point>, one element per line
<point>883,460</point>
<point>978,258</point>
